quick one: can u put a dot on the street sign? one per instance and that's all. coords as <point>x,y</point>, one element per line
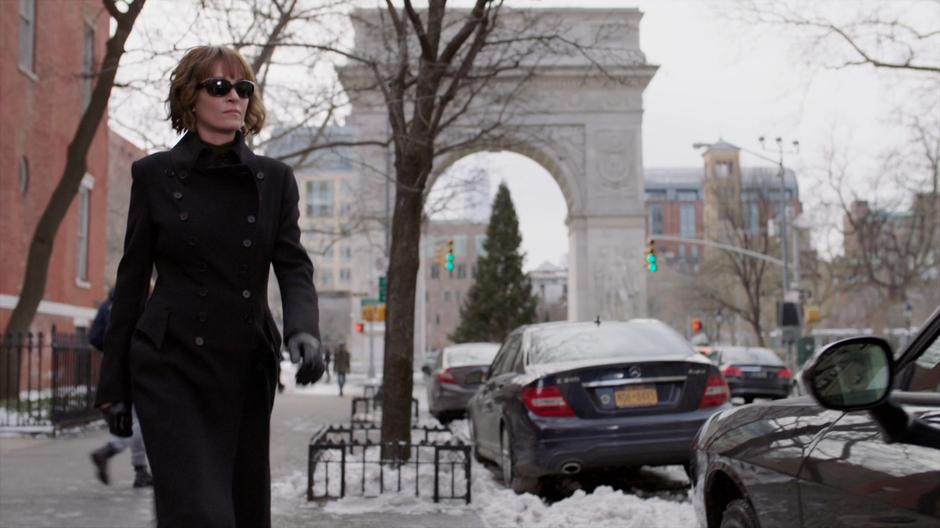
<point>383,289</point>
<point>367,302</point>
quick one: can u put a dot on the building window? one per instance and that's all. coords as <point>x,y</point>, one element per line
<point>88,65</point>
<point>461,271</point>
<point>430,247</point>
<point>346,253</point>
<point>345,275</point>
<point>687,195</point>
<point>723,169</point>
<point>656,219</point>
<point>24,175</point>
<point>480,241</point>
<point>84,214</point>
<point>328,252</point>
<point>460,245</point>
<point>687,220</point>
<point>655,196</point>
<point>437,319</point>
<point>28,35</point>
<point>345,209</point>
<point>752,217</point>
<point>319,198</point>
<point>447,295</point>
<point>435,271</point>
<point>324,277</point>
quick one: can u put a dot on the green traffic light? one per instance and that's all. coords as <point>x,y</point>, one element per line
<point>653,267</point>
<point>651,258</point>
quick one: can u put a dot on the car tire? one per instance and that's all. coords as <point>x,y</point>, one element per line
<point>739,514</point>
<point>507,465</point>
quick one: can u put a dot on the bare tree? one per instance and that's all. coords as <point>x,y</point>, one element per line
<point>903,35</point>
<point>740,284</point>
<point>124,14</point>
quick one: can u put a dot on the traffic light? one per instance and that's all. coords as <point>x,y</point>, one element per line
<point>450,255</point>
<point>360,328</point>
<point>696,325</point>
<point>651,264</point>
<point>440,255</point>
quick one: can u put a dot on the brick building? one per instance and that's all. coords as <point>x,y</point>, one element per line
<point>47,50</point>
<point>121,154</point>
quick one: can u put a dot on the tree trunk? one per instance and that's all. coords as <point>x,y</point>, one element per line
<point>399,326</point>
<point>41,244</point>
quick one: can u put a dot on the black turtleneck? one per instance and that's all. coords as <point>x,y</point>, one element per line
<point>214,156</point>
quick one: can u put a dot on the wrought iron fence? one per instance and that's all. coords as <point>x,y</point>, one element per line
<point>369,411</point>
<point>351,461</point>
<point>47,381</point>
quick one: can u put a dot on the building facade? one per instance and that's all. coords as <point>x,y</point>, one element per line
<point>49,53</point>
<point>445,291</point>
<point>121,155</point>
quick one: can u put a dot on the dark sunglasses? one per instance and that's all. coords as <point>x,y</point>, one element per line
<point>220,87</point>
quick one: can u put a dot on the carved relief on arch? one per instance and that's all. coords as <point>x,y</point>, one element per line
<point>617,291</point>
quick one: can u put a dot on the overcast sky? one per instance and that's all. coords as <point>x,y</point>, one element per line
<point>719,78</point>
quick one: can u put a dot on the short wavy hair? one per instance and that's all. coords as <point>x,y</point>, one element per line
<point>195,67</point>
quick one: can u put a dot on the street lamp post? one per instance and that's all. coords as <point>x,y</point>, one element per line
<point>781,172</point>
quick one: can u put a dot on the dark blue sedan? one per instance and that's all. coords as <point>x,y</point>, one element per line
<point>565,398</point>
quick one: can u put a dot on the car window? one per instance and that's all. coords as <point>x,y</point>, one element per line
<point>926,377</point>
<point>612,341</point>
<point>750,356</point>
<point>462,355</point>
<point>506,356</point>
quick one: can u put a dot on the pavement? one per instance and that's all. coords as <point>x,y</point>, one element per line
<point>50,483</point>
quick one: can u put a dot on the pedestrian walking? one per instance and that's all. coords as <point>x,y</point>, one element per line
<point>116,444</point>
<point>327,359</point>
<point>198,356</point>
<point>341,365</point>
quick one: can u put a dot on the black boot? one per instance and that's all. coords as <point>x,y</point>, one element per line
<point>142,477</point>
<point>99,457</point>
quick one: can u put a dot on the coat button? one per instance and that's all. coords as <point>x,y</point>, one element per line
<point>184,216</point>
<point>260,175</point>
<point>177,195</point>
<point>199,341</point>
<point>246,243</point>
<point>251,219</point>
<point>203,292</point>
<point>202,317</point>
<point>246,294</point>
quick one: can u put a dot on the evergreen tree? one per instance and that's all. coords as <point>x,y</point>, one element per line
<point>501,297</point>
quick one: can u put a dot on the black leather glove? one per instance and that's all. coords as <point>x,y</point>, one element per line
<point>305,349</point>
<point>120,422</point>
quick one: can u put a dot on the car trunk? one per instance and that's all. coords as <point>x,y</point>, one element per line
<point>759,372</point>
<point>635,388</point>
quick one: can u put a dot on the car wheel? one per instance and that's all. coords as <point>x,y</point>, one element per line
<point>507,464</point>
<point>748,400</point>
<point>739,514</point>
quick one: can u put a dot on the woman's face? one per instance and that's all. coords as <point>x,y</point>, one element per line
<point>219,115</point>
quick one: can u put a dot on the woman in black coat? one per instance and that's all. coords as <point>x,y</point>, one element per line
<point>198,356</point>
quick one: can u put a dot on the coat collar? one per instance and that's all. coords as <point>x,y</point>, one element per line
<point>186,151</point>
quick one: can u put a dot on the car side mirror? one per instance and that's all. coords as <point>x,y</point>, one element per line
<point>426,369</point>
<point>851,374</point>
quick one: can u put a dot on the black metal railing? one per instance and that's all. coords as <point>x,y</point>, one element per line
<point>350,461</point>
<point>47,381</point>
<point>369,411</point>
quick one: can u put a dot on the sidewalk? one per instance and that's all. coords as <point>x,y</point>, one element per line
<point>50,483</point>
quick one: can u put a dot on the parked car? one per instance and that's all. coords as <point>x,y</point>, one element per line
<point>752,372</point>
<point>862,449</point>
<point>455,376</point>
<point>562,398</point>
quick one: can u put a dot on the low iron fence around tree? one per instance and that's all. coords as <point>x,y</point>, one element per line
<point>349,460</point>
<point>47,381</point>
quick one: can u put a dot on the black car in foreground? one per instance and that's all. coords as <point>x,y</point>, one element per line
<point>562,398</point>
<point>861,450</point>
<point>753,372</point>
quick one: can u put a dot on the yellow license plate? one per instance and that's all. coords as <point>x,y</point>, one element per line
<point>639,396</point>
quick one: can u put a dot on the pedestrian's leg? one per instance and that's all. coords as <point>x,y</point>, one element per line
<point>101,456</point>
<point>251,485</point>
<point>142,477</point>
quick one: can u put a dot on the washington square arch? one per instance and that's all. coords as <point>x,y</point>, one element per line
<point>578,113</point>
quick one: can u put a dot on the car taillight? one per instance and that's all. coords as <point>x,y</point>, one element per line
<point>785,373</point>
<point>445,376</point>
<point>731,371</point>
<point>546,401</point>
<point>716,392</point>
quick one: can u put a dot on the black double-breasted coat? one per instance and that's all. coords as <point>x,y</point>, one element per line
<point>197,356</point>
